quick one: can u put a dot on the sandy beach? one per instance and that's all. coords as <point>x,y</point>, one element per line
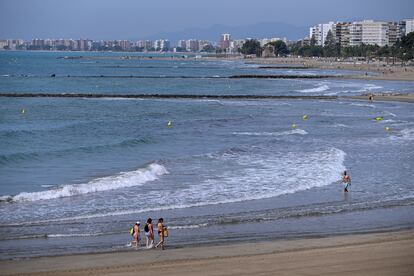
<point>389,253</point>
<point>408,98</point>
<point>382,70</point>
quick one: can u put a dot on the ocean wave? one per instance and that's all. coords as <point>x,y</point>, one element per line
<point>191,226</point>
<point>281,133</point>
<point>366,87</point>
<point>407,134</point>
<point>277,174</point>
<point>123,180</point>
<point>17,157</point>
<point>363,105</point>
<point>320,88</point>
<point>340,125</point>
<point>25,156</point>
<point>390,113</point>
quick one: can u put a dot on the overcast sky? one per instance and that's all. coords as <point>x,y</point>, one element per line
<point>135,19</point>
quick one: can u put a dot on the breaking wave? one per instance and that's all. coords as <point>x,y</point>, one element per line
<point>281,133</point>
<point>123,180</point>
<point>320,88</point>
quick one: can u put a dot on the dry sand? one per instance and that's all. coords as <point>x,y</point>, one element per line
<point>384,71</point>
<point>390,253</point>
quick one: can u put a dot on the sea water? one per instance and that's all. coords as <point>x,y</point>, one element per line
<point>76,173</point>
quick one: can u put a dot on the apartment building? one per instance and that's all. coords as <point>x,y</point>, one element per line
<point>320,31</point>
<point>407,26</point>
<point>367,32</point>
<point>224,42</point>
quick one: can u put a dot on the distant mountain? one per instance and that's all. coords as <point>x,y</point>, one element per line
<point>260,30</point>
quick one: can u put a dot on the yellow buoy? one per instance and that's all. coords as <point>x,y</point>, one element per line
<point>169,124</point>
<point>387,128</point>
<point>294,126</point>
<point>378,118</point>
<point>23,111</point>
<point>305,117</point>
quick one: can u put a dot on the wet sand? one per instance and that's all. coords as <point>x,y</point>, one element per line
<point>390,253</point>
<point>408,98</point>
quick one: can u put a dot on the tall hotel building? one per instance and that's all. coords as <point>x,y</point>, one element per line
<point>367,32</point>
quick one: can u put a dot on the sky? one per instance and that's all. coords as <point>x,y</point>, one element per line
<point>138,19</point>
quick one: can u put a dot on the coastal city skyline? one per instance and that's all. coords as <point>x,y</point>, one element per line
<point>345,34</point>
<point>131,20</point>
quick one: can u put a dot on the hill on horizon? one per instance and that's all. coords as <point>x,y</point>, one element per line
<point>259,30</point>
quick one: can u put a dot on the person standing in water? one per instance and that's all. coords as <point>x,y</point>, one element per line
<point>149,233</point>
<point>161,232</point>
<point>136,234</point>
<point>346,180</point>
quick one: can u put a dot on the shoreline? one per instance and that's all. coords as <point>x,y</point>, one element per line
<point>406,98</point>
<point>384,71</point>
<point>398,97</point>
<point>368,254</point>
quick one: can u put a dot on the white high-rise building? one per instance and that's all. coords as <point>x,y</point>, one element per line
<point>320,31</point>
<point>409,26</point>
<point>224,42</point>
<point>192,45</point>
<point>182,44</point>
<point>375,32</point>
<point>355,34</point>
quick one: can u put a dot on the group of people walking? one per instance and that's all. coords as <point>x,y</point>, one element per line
<point>149,234</point>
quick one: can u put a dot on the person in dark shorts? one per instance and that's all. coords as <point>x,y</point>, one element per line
<point>149,233</point>
<point>346,180</point>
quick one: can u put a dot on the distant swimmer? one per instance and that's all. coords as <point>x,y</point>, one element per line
<point>346,180</point>
<point>371,97</point>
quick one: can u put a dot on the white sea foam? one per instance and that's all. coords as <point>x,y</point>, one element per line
<point>255,177</point>
<point>340,125</point>
<point>320,88</point>
<point>191,226</point>
<point>281,133</point>
<point>367,87</point>
<point>269,177</point>
<point>363,105</point>
<point>122,180</point>
<point>407,134</point>
<point>390,113</point>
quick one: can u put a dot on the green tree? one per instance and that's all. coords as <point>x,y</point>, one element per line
<point>251,47</point>
<point>280,48</point>
<point>313,41</point>
<point>209,48</point>
<point>331,48</point>
<point>407,46</point>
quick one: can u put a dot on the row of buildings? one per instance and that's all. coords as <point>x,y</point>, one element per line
<point>344,33</point>
<point>225,44</point>
<point>233,45</point>
<point>367,32</point>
